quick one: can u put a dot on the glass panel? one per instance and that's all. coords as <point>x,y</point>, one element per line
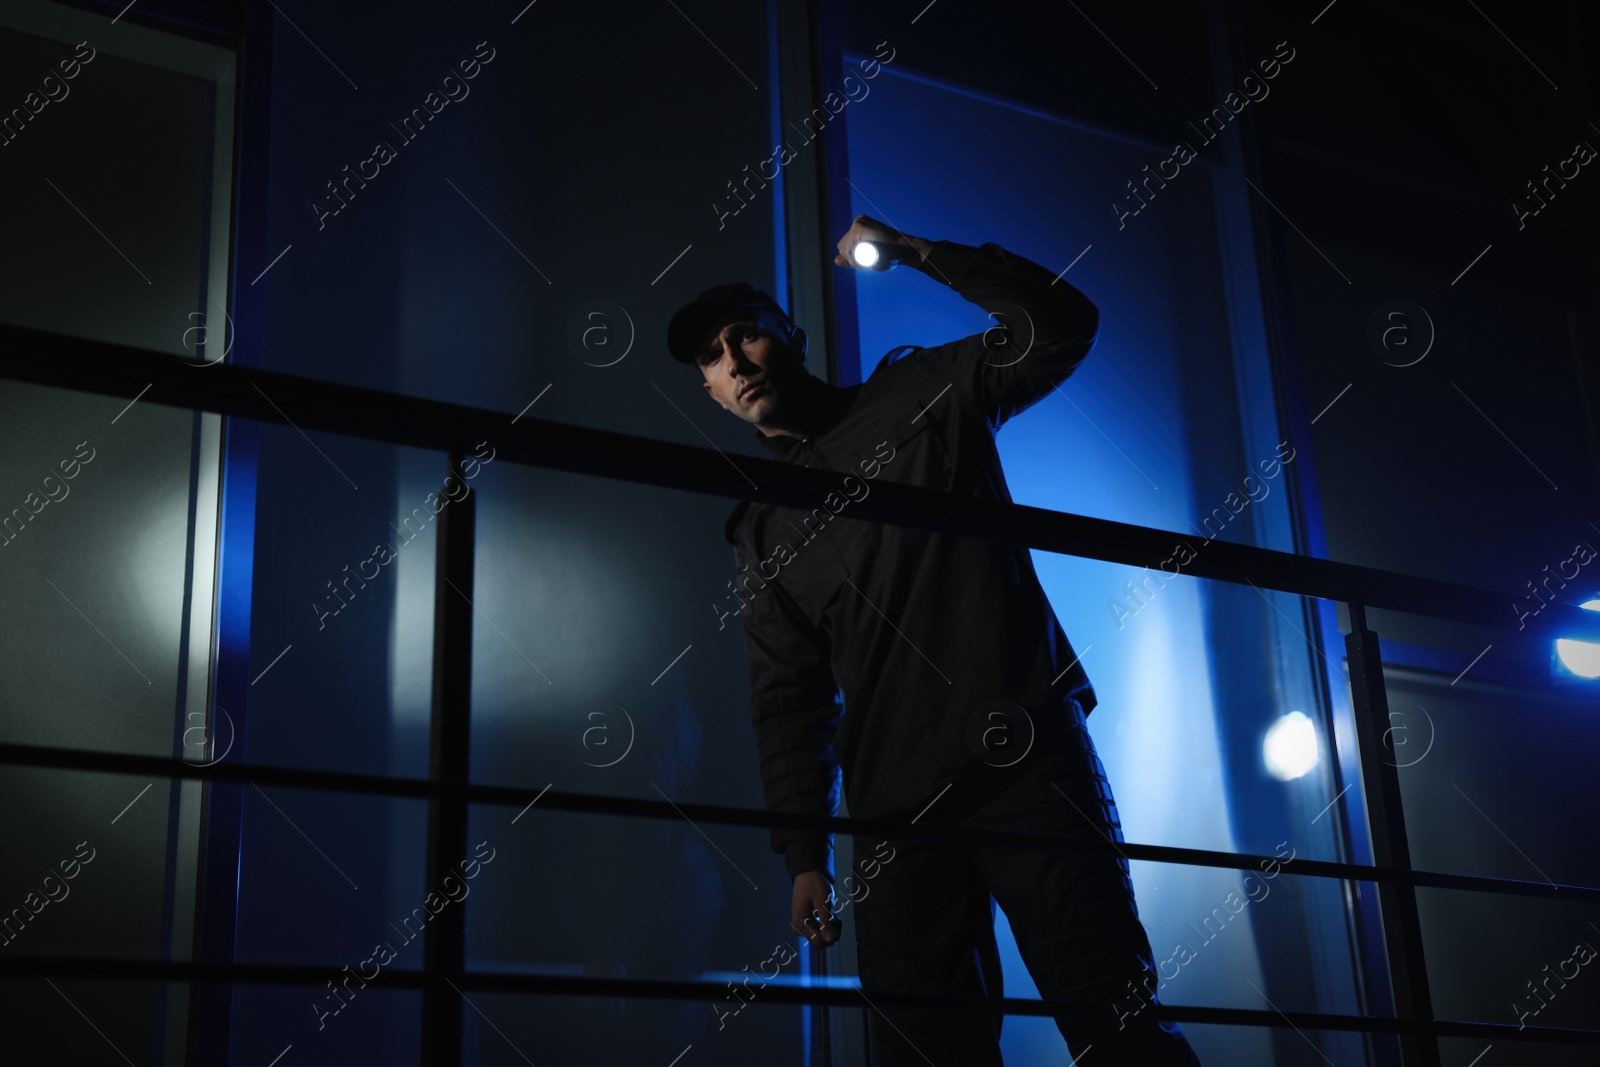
<point>104,508</point>
<point>637,899</point>
<point>342,623</point>
<point>108,512</point>
<point>341,668</point>
<point>81,1020</point>
<point>1509,960</point>
<point>1284,1043</point>
<point>137,253</point>
<point>493,267</point>
<point>506,1029</point>
<point>1494,747</point>
<point>1518,1053</point>
<point>598,655</point>
<point>376,1025</point>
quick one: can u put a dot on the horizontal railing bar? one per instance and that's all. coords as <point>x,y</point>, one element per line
<point>592,804</point>
<point>117,370</point>
<point>124,969</point>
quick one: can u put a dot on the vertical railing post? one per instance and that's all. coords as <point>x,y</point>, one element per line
<point>821,1031</point>
<point>449,750</point>
<point>1380,778</point>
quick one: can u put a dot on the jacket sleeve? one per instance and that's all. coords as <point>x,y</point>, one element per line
<point>1044,327</point>
<point>795,709</point>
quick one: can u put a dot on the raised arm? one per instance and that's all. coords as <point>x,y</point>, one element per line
<point>1044,325</point>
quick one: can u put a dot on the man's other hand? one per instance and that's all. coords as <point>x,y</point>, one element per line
<point>810,914</point>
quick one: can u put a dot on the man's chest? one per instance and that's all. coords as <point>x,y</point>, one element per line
<point>813,552</point>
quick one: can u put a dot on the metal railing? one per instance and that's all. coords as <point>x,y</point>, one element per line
<point>239,392</point>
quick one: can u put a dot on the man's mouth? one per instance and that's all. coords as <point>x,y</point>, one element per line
<point>750,390</point>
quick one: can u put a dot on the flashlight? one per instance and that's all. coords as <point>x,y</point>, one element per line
<point>878,255</point>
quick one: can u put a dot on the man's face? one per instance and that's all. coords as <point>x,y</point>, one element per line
<point>747,366</point>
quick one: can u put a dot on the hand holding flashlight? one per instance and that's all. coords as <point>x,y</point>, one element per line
<point>870,245</point>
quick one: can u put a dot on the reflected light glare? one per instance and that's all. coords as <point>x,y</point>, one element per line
<point>1290,748</point>
<point>865,253</point>
<point>1581,657</point>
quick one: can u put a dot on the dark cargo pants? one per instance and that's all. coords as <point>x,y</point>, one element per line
<point>925,917</point>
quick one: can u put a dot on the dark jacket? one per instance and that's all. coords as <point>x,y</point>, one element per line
<point>925,634</point>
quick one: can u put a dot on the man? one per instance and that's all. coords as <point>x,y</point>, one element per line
<point>964,704</point>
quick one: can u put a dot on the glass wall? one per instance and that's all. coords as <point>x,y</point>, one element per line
<point>521,250</point>
<point>119,232</point>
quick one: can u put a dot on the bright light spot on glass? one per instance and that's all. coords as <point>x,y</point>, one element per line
<point>1290,749</point>
<point>865,253</point>
<point>1581,657</point>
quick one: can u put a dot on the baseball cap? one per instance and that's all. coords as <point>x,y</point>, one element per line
<point>693,321</point>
